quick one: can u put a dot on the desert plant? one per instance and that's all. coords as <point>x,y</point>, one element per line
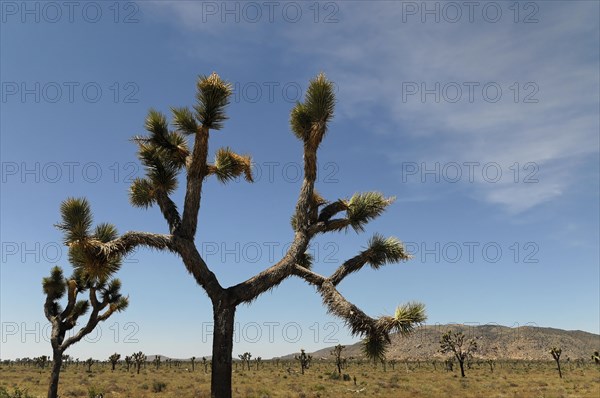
<point>89,362</point>
<point>205,363</point>
<point>556,352</point>
<point>114,360</point>
<point>193,361</point>
<point>455,343</point>
<point>304,360</point>
<point>166,153</point>
<point>159,386</point>
<point>337,353</point>
<point>157,361</point>
<point>245,358</point>
<point>258,361</point>
<point>139,358</point>
<point>128,362</point>
<point>93,270</point>
<point>596,357</point>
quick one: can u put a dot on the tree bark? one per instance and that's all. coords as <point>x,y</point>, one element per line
<point>462,368</point>
<point>223,315</point>
<point>55,375</point>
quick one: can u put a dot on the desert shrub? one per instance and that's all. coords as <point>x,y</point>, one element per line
<point>159,386</point>
<point>93,392</point>
<point>18,393</point>
<point>346,377</point>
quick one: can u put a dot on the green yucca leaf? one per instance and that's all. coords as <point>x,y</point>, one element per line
<point>300,121</point>
<point>141,193</point>
<point>363,207</point>
<point>55,286</point>
<point>213,97</point>
<point>76,219</point>
<point>383,251</point>
<point>80,308</point>
<point>121,304</point>
<point>405,319</point>
<point>184,120</point>
<point>375,346</point>
<point>320,100</point>
<point>105,232</point>
<point>229,165</point>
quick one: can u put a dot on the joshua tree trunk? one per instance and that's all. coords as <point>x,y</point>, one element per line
<point>55,375</point>
<point>223,314</point>
<point>559,371</point>
<point>462,367</point>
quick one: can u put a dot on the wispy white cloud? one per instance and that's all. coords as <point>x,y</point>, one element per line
<point>373,55</point>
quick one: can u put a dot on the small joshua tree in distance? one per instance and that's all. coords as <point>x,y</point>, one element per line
<point>337,353</point>
<point>556,352</point>
<point>304,360</point>
<point>114,359</point>
<point>139,358</point>
<point>455,343</point>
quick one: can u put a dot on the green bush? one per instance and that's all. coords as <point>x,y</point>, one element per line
<point>18,393</point>
<point>159,386</point>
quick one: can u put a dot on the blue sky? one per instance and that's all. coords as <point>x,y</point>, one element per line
<point>483,122</point>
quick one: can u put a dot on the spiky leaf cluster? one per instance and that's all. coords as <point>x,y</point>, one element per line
<point>383,251</point>
<point>229,165</point>
<point>309,119</point>
<point>80,308</point>
<point>363,207</point>
<point>213,96</point>
<point>91,264</point>
<point>375,346</point>
<point>184,121</point>
<point>54,286</point>
<point>76,220</point>
<point>405,319</point>
<point>163,154</point>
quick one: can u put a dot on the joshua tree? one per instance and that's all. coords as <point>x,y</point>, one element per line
<point>303,358</point>
<point>42,360</point>
<point>555,352</point>
<point>166,153</point>
<point>258,360</point>
<point>128,362</point>
<point>337,353</point>
<point>596,357</point>
<point>393,362</point>
<point>205,363</point>
<point>114,359</point>
<point>193,360</point>
<point>139,358</point>
<point>92,272</point>
<point>157,361</point>
<point>455,344</point>
<point>89,362</point>
<point>245,358</point>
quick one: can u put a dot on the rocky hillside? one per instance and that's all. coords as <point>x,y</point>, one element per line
<point>524,342</point>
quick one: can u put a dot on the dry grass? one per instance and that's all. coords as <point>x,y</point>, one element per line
<point>515,379</point>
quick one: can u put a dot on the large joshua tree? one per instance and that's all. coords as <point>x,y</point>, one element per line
<point>92,272</point>
<point>165,153</point>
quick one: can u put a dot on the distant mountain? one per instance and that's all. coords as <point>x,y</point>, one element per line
<point>526,342</point>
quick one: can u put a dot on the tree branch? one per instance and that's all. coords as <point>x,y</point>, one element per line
<point>196,171</point>
<point>72,295</point>
<point>130,240</point>
<point>169,210</point>
<point>352,265</point>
